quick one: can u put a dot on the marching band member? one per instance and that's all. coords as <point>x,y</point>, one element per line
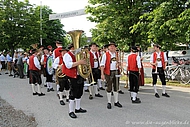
<point>99,77</point>
<point>133,64</point>
<point>159,60</point>
<point>76,81</point>
<point>56,53</point>
<point>49,80</point>
<point>108,72</point>
<point>94,62</point>
<point>141,77</point>
<point>63,81</point>
<point>35,67</point>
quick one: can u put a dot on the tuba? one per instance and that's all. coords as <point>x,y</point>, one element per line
<point>83,70</point>
<point>59,72</point>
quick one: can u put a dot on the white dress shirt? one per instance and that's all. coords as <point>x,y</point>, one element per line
<point>56,63</point>
<point>159,63</point>
<point>37,63</point>
<point>68,60</point>
<point>95,62</point>
<point>112,64</point>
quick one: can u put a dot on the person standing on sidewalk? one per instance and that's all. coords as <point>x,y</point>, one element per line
<point>109,71</point>
<point>9,63</point>
<point>35,77</point>
<point>133,64</point>
<point>158,60</point>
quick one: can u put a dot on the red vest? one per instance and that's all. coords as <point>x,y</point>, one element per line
<point>107,65</point>
<point>161,57</point>
<point>45,60</point>
<point>72,72</point>
<point>92,59</point>
<point>57,52</point>
<point>132,62</point>
<point>31,64</point>
<point>60,60</point>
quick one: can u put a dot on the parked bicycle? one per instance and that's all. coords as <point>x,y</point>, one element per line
<point>177,72</point>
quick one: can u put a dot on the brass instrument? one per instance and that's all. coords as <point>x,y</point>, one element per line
<point>59,72</point>
<point>84,70</point>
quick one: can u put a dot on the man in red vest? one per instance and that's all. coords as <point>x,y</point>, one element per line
<point>35,67</point>
<point>76,81</point>
<point>49,79</point>
<point>158,60</point>
<point>63,81</point>
<point>109,72</point>
<point>95,64</point>
<point>133,64</point>
<point>56,53</point>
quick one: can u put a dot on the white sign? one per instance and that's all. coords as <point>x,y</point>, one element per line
<point>67,14</point>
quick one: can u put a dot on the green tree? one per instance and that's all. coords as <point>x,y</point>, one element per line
<point>52,30</point>
<point>165,25</point>
<point>114,19</point>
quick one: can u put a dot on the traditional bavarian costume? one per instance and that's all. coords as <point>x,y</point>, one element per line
<point>133,64</point>
<point>49,77</point>
<point>76,83</point>
<point>63,81</point>
<point>108,65</point>
<point>35,79</point>
<point>160,58</point>
<point>94,62</point>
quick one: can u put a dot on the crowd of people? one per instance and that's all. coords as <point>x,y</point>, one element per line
<point>105,67</point>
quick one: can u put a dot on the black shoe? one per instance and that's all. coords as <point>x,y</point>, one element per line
<point>6,73</point>
<point>80,110</point>
<point>64,96</point>
<point>98,95</point>
<point>136,101</point>
<point>62,102</point>
<point>165,95</point>
<point>41,94</point>
<point>35,93</point>
<point>86,90</point>
<point>90,97</point>
<point>121,92</point>
<point>136,98</point>
<point>51,89</point>
<point>109,105</point>
<point>48,90</point>
<point>45,85</point>
<point>67,100</point>
<point>157,95</point>
<point>10,75</point>
<point>101,88</point>
<point>72,115</point>
<point>118,104</point>
<point>0,74</point>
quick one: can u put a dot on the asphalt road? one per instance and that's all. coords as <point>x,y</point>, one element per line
<point>152,112</point>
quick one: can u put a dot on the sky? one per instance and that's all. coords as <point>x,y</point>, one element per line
<point>72,23</point>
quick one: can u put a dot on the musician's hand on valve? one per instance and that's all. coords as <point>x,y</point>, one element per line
<point>82,61</point>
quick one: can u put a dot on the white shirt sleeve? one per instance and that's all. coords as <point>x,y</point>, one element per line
<point>68,60</point>
<point>165,57</point>
<point>42,59</point>
<point>103,61</point>
<point>37,63</point>
<point>53,55</point>
<point>151,58</point>
<point>138,61</point>
<point>56,63</point>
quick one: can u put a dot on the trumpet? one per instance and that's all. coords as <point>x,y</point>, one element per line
<point>59,72</point>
